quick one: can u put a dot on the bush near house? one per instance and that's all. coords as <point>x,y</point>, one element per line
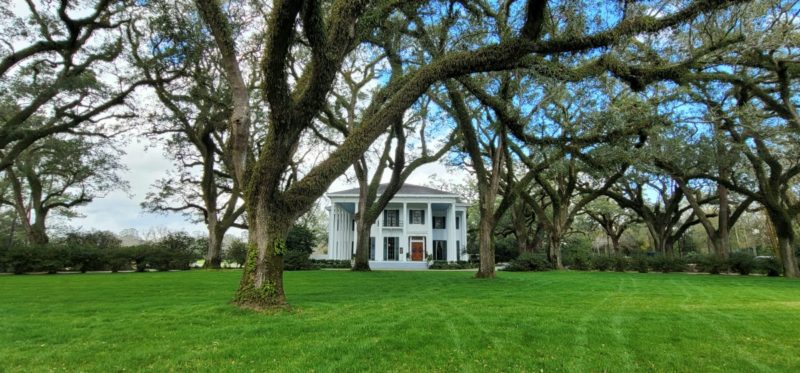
<point>300,243</point>
<point>443,264</point>
<point>331,264</point>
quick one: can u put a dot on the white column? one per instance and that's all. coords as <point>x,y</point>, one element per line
<point>429,238</point>
<point>352,230</point>
<point>451,232</point>
<point>403,239</point>
<point>330,232</point>
<point>379,238</point>
<point>464,234</point>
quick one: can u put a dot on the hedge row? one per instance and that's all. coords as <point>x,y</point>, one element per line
<point>741,263</point>
<point>54,258</point>
<point>443,264</point>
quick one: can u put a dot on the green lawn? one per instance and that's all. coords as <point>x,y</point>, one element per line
<point>402,321</point>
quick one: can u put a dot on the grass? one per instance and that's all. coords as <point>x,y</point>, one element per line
<point>402,321</point>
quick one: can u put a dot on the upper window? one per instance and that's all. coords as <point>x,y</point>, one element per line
<point>416,217</point>
<point>438,222</point>
<point>458,222</point>
<point>391,218</point>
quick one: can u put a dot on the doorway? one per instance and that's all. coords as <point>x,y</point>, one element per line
<point>417,249</point>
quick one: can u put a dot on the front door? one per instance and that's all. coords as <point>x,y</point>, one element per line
<point>417,250</point>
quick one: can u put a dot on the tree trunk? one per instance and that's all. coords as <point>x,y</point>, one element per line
<point>361,262</point>
<point>554,252</point>
<point>37,233</point>
<point>261,286</point>
<point>615,244</point>
<point>538,237</point>
<point>785,232</point>
<point>786,251</point>
<point>213,259</point>
<point>721,239</point>
<point>486,249</point>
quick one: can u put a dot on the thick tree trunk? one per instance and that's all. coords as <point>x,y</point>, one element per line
<point>522,244</point>
<point>213,259</point>
<point>786,251</point>
<point>37,232</point>
<point>785,233</point>
<point>719,245</point>
<point>485,230</point>
<point>721,239</point>
<point>361,262</point>
<point>261,286</point>
<point>554,251</point>
<point>615,244</point>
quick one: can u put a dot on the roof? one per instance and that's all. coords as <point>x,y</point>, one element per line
<point>406,189</point>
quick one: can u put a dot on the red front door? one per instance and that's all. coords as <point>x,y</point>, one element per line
<point>417,251</point>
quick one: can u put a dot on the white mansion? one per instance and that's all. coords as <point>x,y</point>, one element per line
<point>419,224</point>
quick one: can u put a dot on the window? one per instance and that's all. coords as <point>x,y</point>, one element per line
<point>438,222</point>
<point>439,250</point>
<point>416,217</point>
<point>372,248</point>
<point>391,218</point>
<point>458,249</point>
<point>390,249</point>
<point>458,222</point>
<point>354,224</point>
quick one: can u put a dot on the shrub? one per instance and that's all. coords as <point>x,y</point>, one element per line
<point>301,238</point>
<point>175,251</point>
<point>529,262</point>
<point>118,259</point>
<point>742,263</point>
<point>668,264</point>
<point>330,263</point>
<point>85,258</point>
<point>296,260</point>
<point>236,252</point>
<point>138,254</point>
<point>621,263</point>
<point>602,263</point>
<point>581,263</point>
<point>3,259</point>
<point>443,264</point>
<point>52,258</point>
<point>710,264</point>
<point>575,252</point>
<point>21,259</point>
<point>769,266</point>
<point>641,264</point>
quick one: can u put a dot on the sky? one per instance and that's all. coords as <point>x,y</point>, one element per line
<point>146,163</point>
